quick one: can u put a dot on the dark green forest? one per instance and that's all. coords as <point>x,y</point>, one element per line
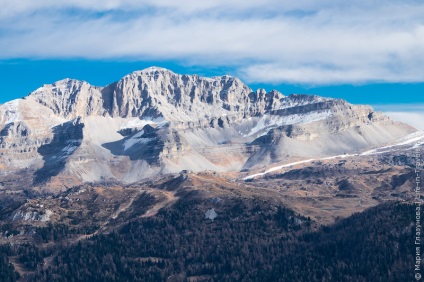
<point>7,272</point>
<point>250,240</point>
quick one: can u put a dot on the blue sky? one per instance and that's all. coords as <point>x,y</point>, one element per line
<point>362,51</point>
<point>19,77</point>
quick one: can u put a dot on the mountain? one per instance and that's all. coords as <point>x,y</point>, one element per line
<point>155,122</point>
<point>168,177</point>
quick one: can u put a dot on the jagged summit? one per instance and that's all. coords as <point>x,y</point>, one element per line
<point>158,92</point>
<point>155,121</point>
<point>151,70</point>
<point>156,88</point>
<point>155,68</point>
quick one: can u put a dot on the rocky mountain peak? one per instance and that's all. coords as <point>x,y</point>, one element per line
<point>155,121</point>
<point>69,98</point>
<point>151,71</point>
<point>158,92</point>
<point>186,100</point>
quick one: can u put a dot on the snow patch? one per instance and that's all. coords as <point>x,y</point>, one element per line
<point>288,102</point>
<point>68,150</point>
<point>10,112</point>
<point>276,168</point>
<point>40,89</point>
<point>267,122</point>
<point>140,123</point>
<point>411,138</point>
<point>136,139</point>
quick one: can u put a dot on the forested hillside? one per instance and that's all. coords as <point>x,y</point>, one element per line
<point>249,240</point>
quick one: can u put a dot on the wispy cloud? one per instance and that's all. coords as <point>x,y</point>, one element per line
<point>412,114</point>
<point>306,42</point>
<point>416,119</point>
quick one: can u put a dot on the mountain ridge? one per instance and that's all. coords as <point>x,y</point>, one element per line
<point>155,121</point>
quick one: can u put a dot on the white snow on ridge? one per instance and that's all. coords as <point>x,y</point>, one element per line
<point>68,150</point>
<point>10,112</point>
<point>277,168</point>
<point>272,121</point>
<point>289,103</point>
<point>296,163</point>
<point>409,139</point>
<point>140,123</point>
<point>133,140</point>
<point>39,89</point>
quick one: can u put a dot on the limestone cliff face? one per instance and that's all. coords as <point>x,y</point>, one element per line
<point>155,121</point>
<point>70,98</point>
<point>191,100</point>
<point>157,92</point>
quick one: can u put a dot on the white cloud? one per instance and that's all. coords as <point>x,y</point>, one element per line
<point>417,107</point>
<point>308,42</point>
<point>416,119</point>
<point>412,114</point>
